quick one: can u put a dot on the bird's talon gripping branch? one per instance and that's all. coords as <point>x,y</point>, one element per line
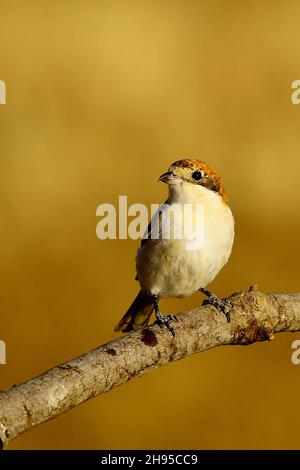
<point>227,313</point>
<point>173,318</point>
<point>220,304</point>
<point>162,320</point>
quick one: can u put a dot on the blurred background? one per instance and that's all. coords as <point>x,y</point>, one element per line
<point>101,97</point>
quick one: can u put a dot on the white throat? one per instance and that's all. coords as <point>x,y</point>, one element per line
<point>186,192</point>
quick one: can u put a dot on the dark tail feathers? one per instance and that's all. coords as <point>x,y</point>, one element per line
<point>138,313</point>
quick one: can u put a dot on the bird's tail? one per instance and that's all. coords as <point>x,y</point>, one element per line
<point>138,313</point>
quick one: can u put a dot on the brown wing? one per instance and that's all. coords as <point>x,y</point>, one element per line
<point>147,234</point>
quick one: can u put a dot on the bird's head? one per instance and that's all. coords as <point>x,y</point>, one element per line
<point>194,172</point>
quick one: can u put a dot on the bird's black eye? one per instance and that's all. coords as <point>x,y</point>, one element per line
<point>197,175</point>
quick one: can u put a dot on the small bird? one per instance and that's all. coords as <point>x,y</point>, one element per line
<point>165,267</point>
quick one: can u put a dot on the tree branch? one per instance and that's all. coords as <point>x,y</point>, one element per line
<point>255,317</point>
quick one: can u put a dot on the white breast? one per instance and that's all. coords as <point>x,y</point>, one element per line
<point>167,268</point>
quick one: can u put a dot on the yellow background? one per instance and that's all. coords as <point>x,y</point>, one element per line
<point>101,97</point>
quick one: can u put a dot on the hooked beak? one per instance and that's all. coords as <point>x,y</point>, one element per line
<point>169,178</point>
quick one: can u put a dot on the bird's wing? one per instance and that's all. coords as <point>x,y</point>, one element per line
<point>155,226</point>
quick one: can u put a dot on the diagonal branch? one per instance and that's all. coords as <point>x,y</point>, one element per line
<point>255,317</point>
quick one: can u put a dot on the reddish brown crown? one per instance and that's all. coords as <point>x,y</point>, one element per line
<point>211,180</point>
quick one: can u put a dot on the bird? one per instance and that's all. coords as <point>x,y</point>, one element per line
<point>165,267</point>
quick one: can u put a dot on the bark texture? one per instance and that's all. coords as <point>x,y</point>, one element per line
<point>255,317</point>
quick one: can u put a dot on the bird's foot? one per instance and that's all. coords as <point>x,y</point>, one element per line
<point>166,320</point>
<point>162,320</point>
<point>222,305</point>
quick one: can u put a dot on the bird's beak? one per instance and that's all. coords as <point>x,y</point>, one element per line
<point>169,178</point>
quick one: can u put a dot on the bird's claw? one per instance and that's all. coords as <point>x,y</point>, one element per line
<point>166,320</point>
<point>172,318</point>
<point>223,306</point>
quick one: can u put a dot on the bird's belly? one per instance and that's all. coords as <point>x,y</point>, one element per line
<point>168,269</point>
<point>173,272</point>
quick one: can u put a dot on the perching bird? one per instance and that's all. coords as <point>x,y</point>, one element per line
<point>165,267</point>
